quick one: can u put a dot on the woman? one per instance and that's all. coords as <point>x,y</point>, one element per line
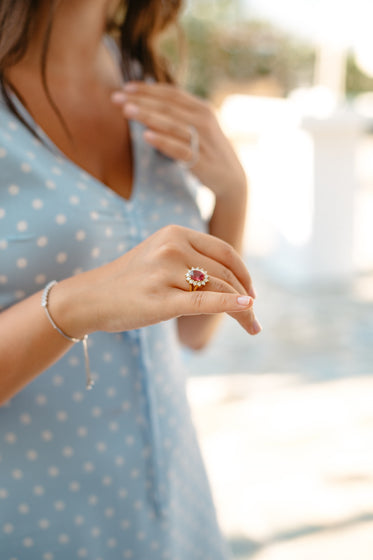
<point>90,199</point>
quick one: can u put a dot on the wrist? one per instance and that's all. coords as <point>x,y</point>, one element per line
<point>236,194</point>
<point>72,307</point>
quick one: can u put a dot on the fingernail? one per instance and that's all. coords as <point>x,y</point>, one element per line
<point>118,97</point>
<point>130,87</point>
<point>150,135</point>
<point>244,300</point>
<point>131,110</point>
<point>257,327</point>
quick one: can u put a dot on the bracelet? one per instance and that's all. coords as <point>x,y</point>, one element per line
<point>84,340</point>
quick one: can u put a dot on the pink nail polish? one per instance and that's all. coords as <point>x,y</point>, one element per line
<point>131,87</point>
<point>118,97</point>
<point>244,300</point>
<point>150,135</point>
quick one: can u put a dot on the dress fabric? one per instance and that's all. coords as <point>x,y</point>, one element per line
<point>116,472</point>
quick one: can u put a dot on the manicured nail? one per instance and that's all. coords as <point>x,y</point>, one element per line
<point>118,97</point>
<point>245,301</point>
<point>150,135</point>
<point>257,327</point>
<point>131,110</point>
<point>131,87</point>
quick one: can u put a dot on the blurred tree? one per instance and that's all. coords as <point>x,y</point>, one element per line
<point>239,52</point>
<point>225,49</point>
<point>356,81</point>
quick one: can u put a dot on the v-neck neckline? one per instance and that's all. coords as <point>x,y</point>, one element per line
<point>59,153</point>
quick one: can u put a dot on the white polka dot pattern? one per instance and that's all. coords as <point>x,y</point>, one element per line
<point>115,473</point>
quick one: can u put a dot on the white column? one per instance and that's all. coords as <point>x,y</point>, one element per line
<point>330,69</point>
<point>330,251</point>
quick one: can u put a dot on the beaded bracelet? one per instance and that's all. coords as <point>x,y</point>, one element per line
<point>84,340</point>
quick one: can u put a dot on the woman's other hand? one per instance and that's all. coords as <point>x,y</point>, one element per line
<point>170,114</point>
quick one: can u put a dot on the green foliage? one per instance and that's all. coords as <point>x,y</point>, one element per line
<point>220,52</point>
<point>356,81</point>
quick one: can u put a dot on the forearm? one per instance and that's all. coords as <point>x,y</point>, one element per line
<point>228,219</point>
<point>29,344</point>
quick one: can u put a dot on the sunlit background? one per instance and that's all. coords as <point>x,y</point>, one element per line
<point>286,419</point>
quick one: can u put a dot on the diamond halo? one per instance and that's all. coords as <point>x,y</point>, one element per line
<point>196,277</point>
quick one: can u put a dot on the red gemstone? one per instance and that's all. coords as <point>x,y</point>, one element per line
<point>197,275</point>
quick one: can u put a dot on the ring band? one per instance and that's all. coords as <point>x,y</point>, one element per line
<point>194,148</point>
<point>196,277</point>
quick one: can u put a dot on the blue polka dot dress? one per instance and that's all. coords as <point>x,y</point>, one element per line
<point>113,473</point>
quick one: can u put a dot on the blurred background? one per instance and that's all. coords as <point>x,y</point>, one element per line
<point>285,419</point>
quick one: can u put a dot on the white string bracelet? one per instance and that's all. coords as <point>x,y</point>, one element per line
<point>84,340</point>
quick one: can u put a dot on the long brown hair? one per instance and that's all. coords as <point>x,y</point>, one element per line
<point>136,26</point>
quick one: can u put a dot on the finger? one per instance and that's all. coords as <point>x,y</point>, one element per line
<point>153,104</point>
<point>247,318</point>
<point>169,135</point>
<point>174,245</point>
<point>220,277</point>
<point>214,284</point>
<point>166,92</point>
<point>158,122</point>
<point>248,321</point>
<point>170,146</point>
<point>207,303</point>
<point>221,252</point>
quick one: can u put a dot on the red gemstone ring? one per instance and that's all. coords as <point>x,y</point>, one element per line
<point>196,277</point>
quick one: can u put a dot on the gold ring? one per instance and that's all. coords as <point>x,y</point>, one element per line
<point>196,277</point>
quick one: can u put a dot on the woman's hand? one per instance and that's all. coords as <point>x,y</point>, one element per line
<point>147,285</point>
<point>169,113</point>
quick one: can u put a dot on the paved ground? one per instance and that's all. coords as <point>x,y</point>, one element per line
<point>286,424</point>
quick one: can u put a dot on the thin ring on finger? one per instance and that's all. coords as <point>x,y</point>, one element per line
<point>194,148</point>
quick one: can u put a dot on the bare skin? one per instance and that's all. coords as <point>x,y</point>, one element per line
<point>123,294</point>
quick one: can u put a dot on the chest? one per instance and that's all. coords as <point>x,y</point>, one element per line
<point>89,130</point>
